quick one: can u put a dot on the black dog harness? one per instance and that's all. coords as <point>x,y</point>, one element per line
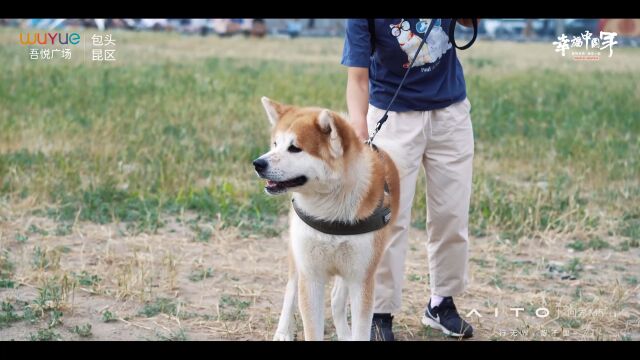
<point>377,220</point>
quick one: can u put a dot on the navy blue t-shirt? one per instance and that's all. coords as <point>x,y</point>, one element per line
<point>436,79</point>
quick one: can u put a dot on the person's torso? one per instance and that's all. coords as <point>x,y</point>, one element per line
<point>435,80</point>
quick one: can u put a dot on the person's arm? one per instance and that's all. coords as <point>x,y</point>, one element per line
<point>356,56</point>
<point>358,99</point>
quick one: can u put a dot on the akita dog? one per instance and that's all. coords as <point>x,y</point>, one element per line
<point>344,192</point>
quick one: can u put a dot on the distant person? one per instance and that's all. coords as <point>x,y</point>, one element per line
<point>220,26</point>
<point>259,28</point>
<point>294,28</point>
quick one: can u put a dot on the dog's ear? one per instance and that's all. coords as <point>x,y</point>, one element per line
<point>327,122</point>
<point>274,109</point>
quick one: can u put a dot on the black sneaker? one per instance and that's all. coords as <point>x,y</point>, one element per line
<point>445,317</point>
<point>381,328</point>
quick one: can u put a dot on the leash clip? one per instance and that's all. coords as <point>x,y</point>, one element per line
<point>378,127</point>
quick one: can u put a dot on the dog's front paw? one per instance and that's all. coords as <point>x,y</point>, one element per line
<point>279,336</point>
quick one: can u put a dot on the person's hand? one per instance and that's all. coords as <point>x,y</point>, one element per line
<point>467,22</point>
<point>361,129</point>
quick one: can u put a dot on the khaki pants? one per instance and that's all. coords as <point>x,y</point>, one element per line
<point>442,140</point>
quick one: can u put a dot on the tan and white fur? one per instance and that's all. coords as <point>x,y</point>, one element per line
<point>332,175</point>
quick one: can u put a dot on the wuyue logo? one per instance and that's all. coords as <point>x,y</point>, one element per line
<point>45,46</point>
<point>49,38</point>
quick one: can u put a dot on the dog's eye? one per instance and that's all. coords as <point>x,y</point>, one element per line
<point>292,148</point>
<point>275,144</point>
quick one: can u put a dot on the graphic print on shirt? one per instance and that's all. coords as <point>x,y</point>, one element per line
<point>437,43</point>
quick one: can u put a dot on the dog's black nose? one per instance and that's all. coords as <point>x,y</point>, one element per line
<point>260,164</point>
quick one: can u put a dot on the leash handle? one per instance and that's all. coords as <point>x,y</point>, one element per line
<point>384,117</point>
<point>452,30</point>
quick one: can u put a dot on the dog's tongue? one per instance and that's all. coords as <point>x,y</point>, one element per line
<point>271,183</point>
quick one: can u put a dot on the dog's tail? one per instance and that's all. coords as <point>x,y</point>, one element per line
<point>395,152</point>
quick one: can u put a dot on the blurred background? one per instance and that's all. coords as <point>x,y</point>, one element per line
<point>497,29</point>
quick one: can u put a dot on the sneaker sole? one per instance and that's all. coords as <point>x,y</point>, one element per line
<point>426,321</point>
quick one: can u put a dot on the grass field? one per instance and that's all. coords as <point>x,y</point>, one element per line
<point>129,208</point>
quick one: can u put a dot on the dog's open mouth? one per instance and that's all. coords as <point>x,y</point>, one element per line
<point>275,187</point>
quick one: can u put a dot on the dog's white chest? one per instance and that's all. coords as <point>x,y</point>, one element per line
<point>326,254</point>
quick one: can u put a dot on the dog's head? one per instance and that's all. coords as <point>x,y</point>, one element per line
<point>309,149</point>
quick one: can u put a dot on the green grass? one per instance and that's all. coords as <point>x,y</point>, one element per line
<point>595,243</point>
<point>631,280</point>
<point>30,315</point>
<point>52,298</point>
<point>200,274</point>
<point>574,267</point>
<point>86,279</point>
<point>34,229</point>
<point>496,281</point>
<point>6,283</point>
<point>63,229</point>
<point>6,270</point>
<point>45,259</point>
<point>108,316</point>
<point>44,335</point>
<point>625,245</point>
<point>21,238</point>
<point>569,322</point>
<point>159,306</point>
<point>48,307</point>
<point>8,315</point>
<point>202,234</point>
<point>630,226</point>
<point>557,156</point>
<point>179,335</point>
<point>131,143</point>
<point>56,318</point>
<point>232,308</point>
<point>83,330</point>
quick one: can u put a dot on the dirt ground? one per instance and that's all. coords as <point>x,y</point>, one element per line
<point>157,286</point>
